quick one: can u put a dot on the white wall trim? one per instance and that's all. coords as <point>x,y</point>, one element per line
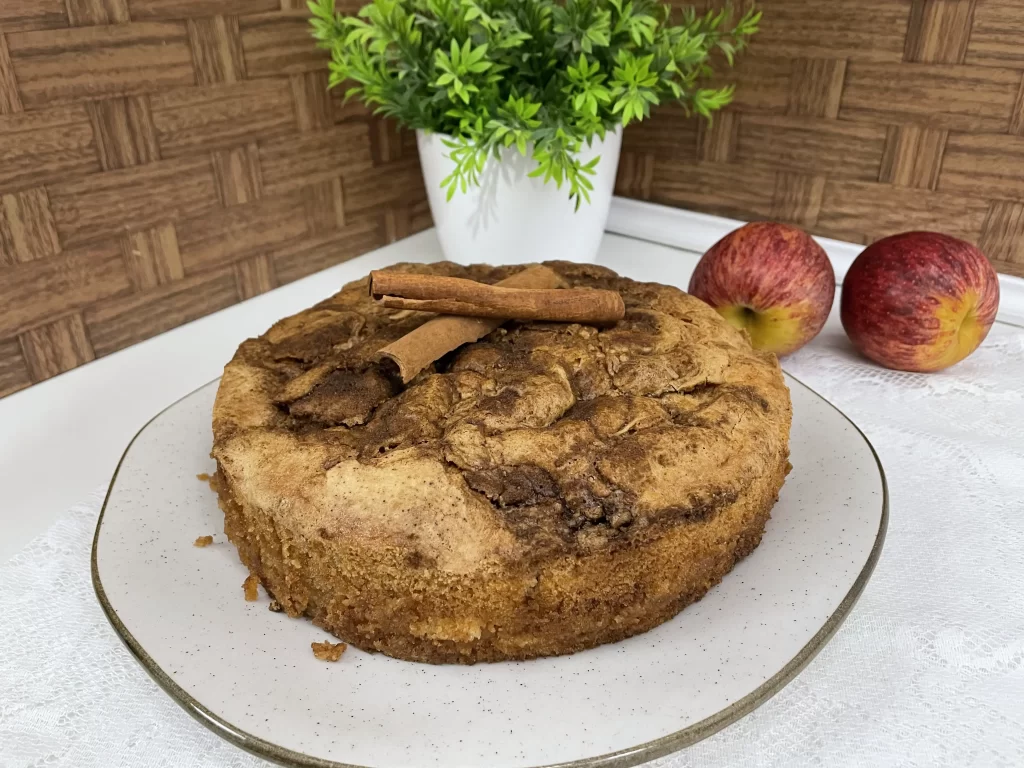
<point>692,231</point>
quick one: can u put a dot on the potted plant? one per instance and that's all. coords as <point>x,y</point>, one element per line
<point>519,105</point>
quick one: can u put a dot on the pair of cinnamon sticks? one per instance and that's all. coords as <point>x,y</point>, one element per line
<point>471,310</point>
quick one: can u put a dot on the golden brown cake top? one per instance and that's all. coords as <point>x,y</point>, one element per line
<point>539,440</point>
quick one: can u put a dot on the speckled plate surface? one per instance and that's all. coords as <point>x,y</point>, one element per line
<point>249,674</point>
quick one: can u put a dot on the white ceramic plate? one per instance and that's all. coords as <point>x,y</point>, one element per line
<point>249,674</point>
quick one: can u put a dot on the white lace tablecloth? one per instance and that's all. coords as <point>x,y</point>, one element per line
<point>928,670</point>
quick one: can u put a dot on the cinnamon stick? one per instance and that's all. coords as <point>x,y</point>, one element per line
<point>456,296</point>
<point>422,346</point>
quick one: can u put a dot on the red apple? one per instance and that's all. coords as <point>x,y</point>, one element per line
<point>920,301</point>
<point>770,279</point>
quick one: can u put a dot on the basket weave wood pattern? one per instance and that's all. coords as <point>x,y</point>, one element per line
<point>858,119</point>
<point>162,159</point>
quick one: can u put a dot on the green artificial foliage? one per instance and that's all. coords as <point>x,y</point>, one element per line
<point>542,76</point>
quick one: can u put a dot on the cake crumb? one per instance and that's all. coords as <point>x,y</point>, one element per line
<point>328,651</point>
<point>203,541</point>
<point>203,476</point>
<point>210,480</point>
<point>249,586</point>
<point>275,606</point>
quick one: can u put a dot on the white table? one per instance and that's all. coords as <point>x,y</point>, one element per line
<point>928,670</point>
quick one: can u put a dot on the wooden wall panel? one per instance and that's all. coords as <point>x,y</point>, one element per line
<point>304,257</point>
<point>100,206</point>
<point>188,120</point>
<point>313,103</point>
<point>861,30</point>
<point>238,174</point>
<point>27,229</point>
<point>83,13</point>
<point>939,30</point>
<point>123,320</point>
<point>216,49</point>
<point>858,119</point>
<point>984,166</point>
<point>292,162</point>
<point>14,373</point>
<point>1002,236</point>
<point>68,65</point>
<point>237,233</point>
<point>996,34</point>
<point>152,257</point>
<point>163,159</point>
<point>26,15</point>
<point>182,9</point>
<point>254,276</point>
<point>962,98</point>
<point>56,347</point>
<point>124,132</point>
<point>44,146</point>
<point>913,156</point>
<point>730,188</point>
<point>767,83</point>
<point>816,87</point>
<point>10,101</point>
<point>807,145</point>
<point>35,292</point>
<point>278,43</point>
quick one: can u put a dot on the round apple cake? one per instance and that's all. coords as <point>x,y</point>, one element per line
<point>546,489</point>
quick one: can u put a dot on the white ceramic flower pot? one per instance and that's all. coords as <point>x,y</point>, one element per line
<point>511,218</point>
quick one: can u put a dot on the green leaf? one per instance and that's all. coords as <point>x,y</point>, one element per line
<point>477,53</point>
<point>319,9</point>
<point>544,76</point>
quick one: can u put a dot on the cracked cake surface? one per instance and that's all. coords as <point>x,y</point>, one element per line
<point>546,489</point>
